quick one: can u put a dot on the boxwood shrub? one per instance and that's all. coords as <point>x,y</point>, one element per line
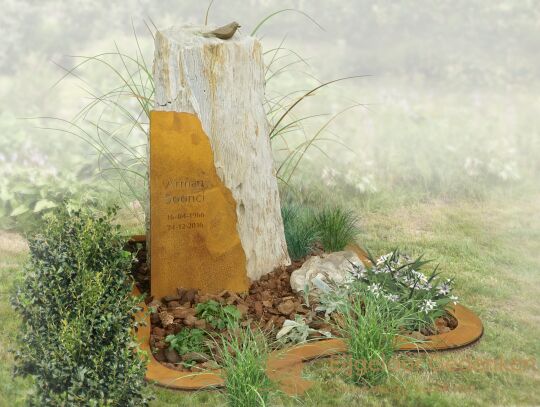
<point>75,301</point>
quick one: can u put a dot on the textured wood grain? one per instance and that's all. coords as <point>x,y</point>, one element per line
<point>222,83</point>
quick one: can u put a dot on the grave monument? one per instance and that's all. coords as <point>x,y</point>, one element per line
<point>215,219</point>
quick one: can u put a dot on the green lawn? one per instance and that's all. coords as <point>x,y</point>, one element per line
<point>491,246</point>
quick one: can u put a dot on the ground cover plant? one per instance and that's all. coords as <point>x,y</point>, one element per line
<point>243,355</point>
<point>300,232</point>
<point>217,315</point>
<point>31,185</point>
<point>188,342</point>
<point>76,309</point>
<point>336,228</point>
<point>310,228</point>
<point>370,325</point>
<point>399,278</point>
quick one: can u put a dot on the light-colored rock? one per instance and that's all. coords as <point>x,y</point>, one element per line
<point>166,318</point>
<point>222,83</point>
<point>334,267</point>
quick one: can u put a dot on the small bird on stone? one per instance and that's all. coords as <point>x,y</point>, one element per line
<point>225,32</point>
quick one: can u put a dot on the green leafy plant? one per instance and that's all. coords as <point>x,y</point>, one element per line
<point>370,325</point>
<point>188,340</point>
<point>77,311</point>
<point>243,356</point>
<point>300,233</point>
<point>297,331</point>
<point>331,299</point>
<point>399,278</point>
<point>336,228</point>
<point>217,315</point>
<point>31,185</point>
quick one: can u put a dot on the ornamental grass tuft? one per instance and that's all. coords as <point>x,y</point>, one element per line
<point>300,231</point>
<point>370,325</point>
<point>336,228</point>
<point>243,356</point>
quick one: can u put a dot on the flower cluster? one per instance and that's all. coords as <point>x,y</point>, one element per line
<point>357,180</point>
<point>399,278</point>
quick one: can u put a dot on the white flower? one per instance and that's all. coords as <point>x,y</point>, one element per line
<point>392,297</point>
<point>419,276</point>
<point>454,299</point>
<point>444,288</point>
<point>358,272</point>
<point>376,289</point>
<point>379,270</point>
<point>384,258</point>
<point>366,184</point>
<point>427,306</point>
<point>473,166</point>
<point>350,176</point>
<point>328,176</point>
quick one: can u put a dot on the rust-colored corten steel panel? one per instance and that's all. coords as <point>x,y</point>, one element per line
<point>194,242</point>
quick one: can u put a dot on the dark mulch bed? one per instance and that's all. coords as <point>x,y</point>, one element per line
<point>269,302</point>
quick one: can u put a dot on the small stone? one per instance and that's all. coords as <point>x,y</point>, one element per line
<point>201,324</point>
<point>417,335</point>
<point>190,320</point>
<point>210,365</point>
<point>286,307</point>
<point>443,329</point>
<point>172,329</point>
<point>267,295</point>
<point>166,318</point>
<point>190,296</point>
<point>273,311</point>
<point>242,308</point>
<point>174,304</point>
<point>258,309</point>
<point>205,298</point>
<point>232,300</point>
<point>440,322</point>
<point>182,312</point>
<point>160,345</point>
<point>427,331</point>
<point>158,332</point>
<point>172,356</point>
<point>154,318</point>
<point>160,355</point>
<point>451,322</point>
<point>156,304</point>
<point>170,298</point>
<point>195,357</point>
<point>270,324</point>
<point>181,294</point>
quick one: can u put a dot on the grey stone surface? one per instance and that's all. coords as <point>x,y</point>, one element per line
<point>333,267</point>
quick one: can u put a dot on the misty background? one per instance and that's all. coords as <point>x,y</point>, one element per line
<point>450,109</point>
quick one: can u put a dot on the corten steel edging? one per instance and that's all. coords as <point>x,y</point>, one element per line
<point>285,365</point>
